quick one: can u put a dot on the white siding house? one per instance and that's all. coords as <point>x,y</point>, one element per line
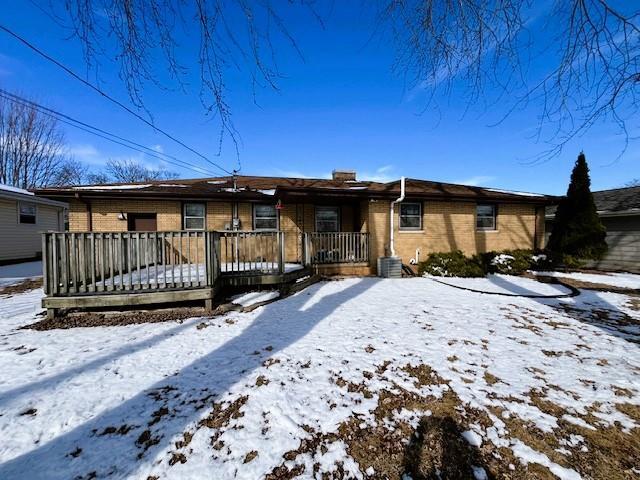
<point>23,217</point>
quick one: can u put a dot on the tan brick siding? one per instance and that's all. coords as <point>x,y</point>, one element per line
<point>104,213</point>
<point>448,226</point>
<point>219,215</point>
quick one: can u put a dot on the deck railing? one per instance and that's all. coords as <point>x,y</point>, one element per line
<point>336,247</point>
<point>78,263</point>
<point>90,262</point>
<point>252,252</point>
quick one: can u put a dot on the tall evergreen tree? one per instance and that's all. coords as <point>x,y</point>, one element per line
<point>577,229</point>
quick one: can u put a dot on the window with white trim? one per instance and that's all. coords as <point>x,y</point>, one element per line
<point>411,216</point>
<point>327,219</point>
<point>193,216</point>
<point>265,217</point>
<point>27,213</point>
<point>486,217</point>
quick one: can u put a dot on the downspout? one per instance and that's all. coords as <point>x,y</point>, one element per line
<point>398,200</point>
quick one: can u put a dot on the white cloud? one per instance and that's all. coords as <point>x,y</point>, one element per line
<point>476,181</point>
<point>96,159</point>
<point>382,174</point>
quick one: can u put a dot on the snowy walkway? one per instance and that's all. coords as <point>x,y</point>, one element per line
<point>333,379</point>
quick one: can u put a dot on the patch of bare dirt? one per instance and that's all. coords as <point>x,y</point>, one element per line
<point>21,287</point>
<point>436,448</point>
<point>113,319</point>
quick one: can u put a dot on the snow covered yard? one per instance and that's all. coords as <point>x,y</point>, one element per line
<point>359,378</point>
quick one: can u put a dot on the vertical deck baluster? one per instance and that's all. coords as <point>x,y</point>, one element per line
<point>73,263</point>
<point>102,261</point>
<point>197,260</point>
<point>156,259</point>
<point>189,262</point>
<point>145,248</point>
<point>164,258</point>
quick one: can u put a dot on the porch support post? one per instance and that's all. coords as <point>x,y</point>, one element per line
<point>281,252</point>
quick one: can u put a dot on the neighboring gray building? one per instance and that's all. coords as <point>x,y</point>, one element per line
<point>23,217</point>
<point>619,210</point>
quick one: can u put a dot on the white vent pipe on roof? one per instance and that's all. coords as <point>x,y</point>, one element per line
<point>398,200</point>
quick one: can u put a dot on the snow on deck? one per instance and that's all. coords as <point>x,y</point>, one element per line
<point>620,280</point>
<point>112,402</point>
<point>194,273</point>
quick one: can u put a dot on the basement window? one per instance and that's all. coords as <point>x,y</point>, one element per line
<point>486,217</point>
<point>193,215</point>
<point>265,217</point>
<point>27,213</point>
<point>411,216</point>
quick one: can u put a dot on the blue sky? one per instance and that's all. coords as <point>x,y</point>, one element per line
<point>340,106</point>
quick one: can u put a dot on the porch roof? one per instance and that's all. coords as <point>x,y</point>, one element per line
<point>266,189</point>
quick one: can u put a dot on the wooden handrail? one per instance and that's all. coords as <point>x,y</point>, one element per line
<point>336,247</point>
<point>78,263</point>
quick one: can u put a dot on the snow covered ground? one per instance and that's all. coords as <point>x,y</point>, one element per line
<point>620,280</point>
<point>19,272</point>
<point>251,298</point>
<point>335,379</point>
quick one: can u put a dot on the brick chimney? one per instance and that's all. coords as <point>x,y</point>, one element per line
<point>344,175</point>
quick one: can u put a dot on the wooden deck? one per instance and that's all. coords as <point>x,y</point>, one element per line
<point>112,269</point>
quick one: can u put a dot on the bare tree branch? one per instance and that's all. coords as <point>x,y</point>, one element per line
<point>593,48</point>
<point>145,39</point>
<point>32,147</point>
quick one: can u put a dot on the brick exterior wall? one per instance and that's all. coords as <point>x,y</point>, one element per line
<point>446,225</point>
<point>219,215</point>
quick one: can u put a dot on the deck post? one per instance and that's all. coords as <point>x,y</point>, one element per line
<point>51,313</point>
<point>281,252</point>
<point>208,304</point>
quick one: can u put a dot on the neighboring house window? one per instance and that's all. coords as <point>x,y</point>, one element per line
<point>193,216</point>
<point>486,217</point>
<point>410,216</point>
<point>265,217</point>
<point>27,213</point>
<point>327,219</point>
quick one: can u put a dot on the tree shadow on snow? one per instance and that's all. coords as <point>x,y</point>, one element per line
<point>437,450</point>
<point>33,389</point>
<point>589,307</point>
<point>126,440</point>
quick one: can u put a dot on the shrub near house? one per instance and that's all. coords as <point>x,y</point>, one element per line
<point>509,262</point>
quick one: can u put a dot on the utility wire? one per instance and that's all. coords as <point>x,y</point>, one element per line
<point>60,116</point>
<point>102,133</point>
<point>107,96</point>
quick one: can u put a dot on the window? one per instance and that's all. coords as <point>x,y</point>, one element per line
<point>193,216</point>
<point>486,217</point>
<point>410,216</point>
<point>265,217</point>
<point>27,213</point>
<point>327,219</point>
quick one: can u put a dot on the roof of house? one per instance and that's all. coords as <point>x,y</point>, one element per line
<point>617,201</point>
<point>255,188</point>
<point>19,194</point>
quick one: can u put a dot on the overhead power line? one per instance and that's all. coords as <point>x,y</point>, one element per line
<point>107,96</point>
<point>68,120</point>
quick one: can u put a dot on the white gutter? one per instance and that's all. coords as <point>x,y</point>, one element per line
<point>398,200</point>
